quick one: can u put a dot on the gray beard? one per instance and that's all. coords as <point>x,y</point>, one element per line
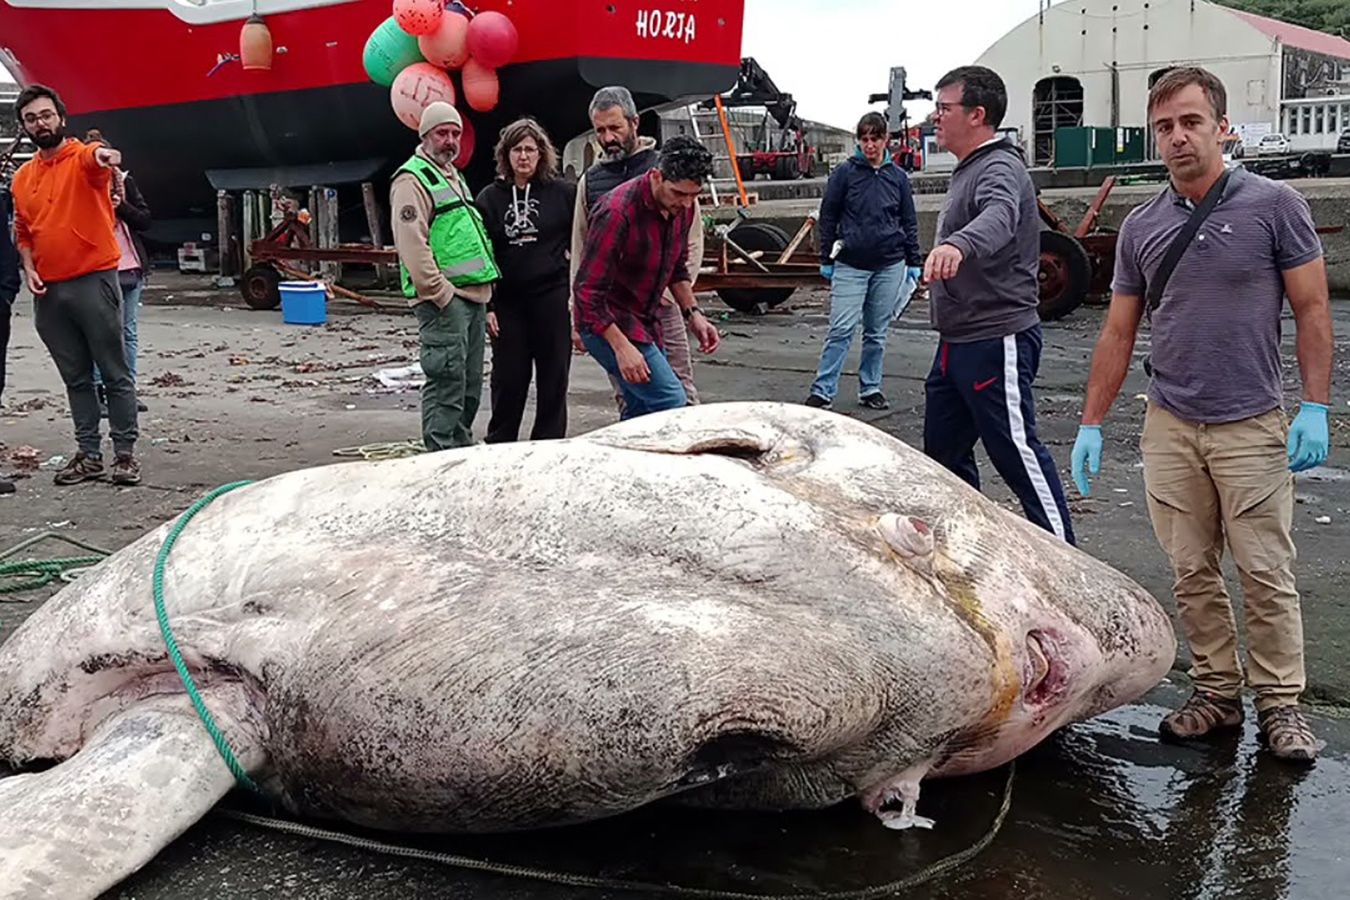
<point>443,160</point>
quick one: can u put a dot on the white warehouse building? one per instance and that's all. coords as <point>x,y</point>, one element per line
<point>1092,62</point>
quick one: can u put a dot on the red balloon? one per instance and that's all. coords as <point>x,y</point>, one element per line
<point>493,39</point>
<point>447,46</point>
<point>466,143</point>
<point>481,87</point>
<point>418,17</point>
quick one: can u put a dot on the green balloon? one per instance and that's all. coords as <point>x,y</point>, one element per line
<point>389,50</point>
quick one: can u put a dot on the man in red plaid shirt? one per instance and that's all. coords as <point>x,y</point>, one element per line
<point>635,248</point>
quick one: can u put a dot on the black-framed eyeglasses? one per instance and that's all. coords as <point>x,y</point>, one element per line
<point>944,108</point>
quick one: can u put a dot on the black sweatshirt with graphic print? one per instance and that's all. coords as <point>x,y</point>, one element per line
<point>531,231</point>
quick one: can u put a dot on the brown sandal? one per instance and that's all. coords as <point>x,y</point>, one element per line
<point>1286,733</point>
<point>1201,715</point>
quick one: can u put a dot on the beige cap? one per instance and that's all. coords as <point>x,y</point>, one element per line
<point>438,113</point>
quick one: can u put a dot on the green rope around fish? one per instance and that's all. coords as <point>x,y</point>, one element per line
<point>217,737</point>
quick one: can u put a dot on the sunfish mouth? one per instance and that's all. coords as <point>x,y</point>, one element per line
<point>1045,675</point>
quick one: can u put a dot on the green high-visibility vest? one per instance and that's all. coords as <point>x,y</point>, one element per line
<point>459,243</point>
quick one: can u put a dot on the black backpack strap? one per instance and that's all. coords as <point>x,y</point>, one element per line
<point>1182,242</point>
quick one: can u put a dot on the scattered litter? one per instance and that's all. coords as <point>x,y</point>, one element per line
<point>316,366</point>
<point>31,405</point>
<point>168,379</point>
<point>1121,490</point>
<point>1323,520</point>
<point>62,524</point>
<point>401,378</point>
<point>54,462</point>
<point>25,457</point>
<point>1126,503</point>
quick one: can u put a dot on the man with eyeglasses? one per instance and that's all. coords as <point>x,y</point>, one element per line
<point>64,226</point>
<point>983,277</point>
<point>635,250</point>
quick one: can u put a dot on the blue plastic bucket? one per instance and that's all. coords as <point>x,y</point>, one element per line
<point>303,302</point>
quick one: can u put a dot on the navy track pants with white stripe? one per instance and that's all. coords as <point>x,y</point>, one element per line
<point>982,391</point>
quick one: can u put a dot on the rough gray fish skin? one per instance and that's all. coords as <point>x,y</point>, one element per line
<point>746,605</point>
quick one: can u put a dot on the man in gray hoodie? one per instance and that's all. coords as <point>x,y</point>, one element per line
<point>983,288</point>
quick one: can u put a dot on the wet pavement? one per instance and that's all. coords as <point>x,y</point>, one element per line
<point>1100,810</point>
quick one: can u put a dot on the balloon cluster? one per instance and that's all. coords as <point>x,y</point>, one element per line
<point>414,51</point>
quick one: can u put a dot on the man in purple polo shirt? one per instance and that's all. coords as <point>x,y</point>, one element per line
<point>1217,449</point>
<point>635,248</point>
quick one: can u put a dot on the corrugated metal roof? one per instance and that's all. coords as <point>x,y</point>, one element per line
<point>1297,36</point>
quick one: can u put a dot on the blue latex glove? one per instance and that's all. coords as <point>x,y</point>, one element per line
<point>914,274</point>
<point>1087,456</point>
<point>1309,437</point>
<point>827,271</point>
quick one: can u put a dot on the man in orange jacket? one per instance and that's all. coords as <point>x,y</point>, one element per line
<point>64,228</point>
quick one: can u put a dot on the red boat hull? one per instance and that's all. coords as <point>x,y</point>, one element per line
<point>151,82</point>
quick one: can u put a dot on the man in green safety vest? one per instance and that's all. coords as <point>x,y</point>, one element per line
<point>447,270</point>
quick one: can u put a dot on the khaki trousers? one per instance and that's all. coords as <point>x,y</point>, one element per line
<point>678,352</point>
<point>1208,483</point>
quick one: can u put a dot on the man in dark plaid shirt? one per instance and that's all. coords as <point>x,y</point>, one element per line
<point>635,248</point>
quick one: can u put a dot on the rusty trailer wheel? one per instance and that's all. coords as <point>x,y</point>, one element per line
<point>1065,273</point>
<point>259,287</point>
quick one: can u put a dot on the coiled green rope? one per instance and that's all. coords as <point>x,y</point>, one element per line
<point>40,572</point>
<point>212,728</point>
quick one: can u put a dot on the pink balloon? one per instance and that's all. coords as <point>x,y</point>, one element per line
<point>448,45</point>
<point>493,39</point>
<point>415,88</point>
<point>481,87</point>
<point>419,17</point>
<point>467,141</point>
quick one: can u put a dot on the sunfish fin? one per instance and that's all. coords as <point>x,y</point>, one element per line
<point>142,779</point>
<point>733,430</point>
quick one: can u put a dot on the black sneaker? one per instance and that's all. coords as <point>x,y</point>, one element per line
<point>815,401</point>
<point>874,401</point>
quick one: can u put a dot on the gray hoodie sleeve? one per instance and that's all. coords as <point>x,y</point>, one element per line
<point>997,196</point>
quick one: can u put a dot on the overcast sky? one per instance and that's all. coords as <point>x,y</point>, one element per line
<point>830,54</point>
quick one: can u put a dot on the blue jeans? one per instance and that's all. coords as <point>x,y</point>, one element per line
<point>664,391</point>
<point>131,304</point>
<point>858,296</point>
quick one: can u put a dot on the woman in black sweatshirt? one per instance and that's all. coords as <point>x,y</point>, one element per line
<point>528,214</point>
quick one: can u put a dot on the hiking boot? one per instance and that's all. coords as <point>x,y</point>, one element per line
<point>815,401</point>
<point>80,468</point>
<point>874,401</point>
<point>1200,716</point>
<point>1284,730</point>
<point>125,470</point>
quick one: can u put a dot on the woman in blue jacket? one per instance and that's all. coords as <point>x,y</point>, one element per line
<point>869,246</point>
